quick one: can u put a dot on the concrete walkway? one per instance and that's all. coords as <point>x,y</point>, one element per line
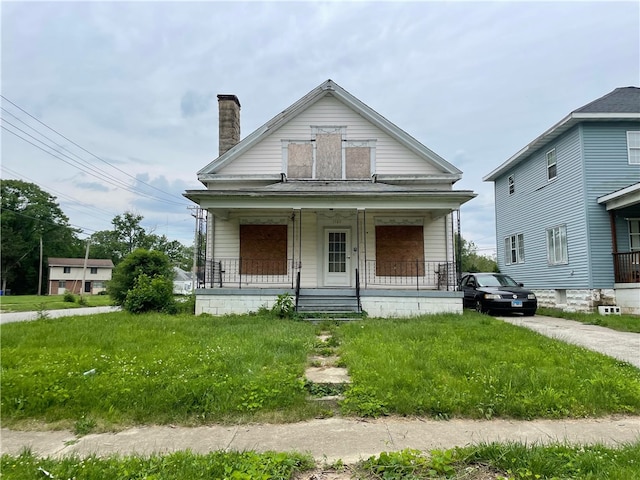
<point>621,345</point>
<point>68,312</point>
<point>327,440</point>
<point>351,440</point>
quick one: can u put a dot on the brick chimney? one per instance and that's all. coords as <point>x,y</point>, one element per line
<point>228,122</point>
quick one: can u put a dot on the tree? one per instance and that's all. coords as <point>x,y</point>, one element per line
<point>471,261</point>
<point>29,214</point>
<point>128,235</point>
<point>152,264</point>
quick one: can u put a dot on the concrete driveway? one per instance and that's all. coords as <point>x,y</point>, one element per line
<point>27,316</point>
<point>621,345</point>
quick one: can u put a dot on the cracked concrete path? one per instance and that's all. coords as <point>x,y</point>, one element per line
<point>328,440</point>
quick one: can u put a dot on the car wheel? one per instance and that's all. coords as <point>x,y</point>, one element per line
<point>479,307</point>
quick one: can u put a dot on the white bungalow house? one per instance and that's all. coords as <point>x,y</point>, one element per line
<point>332,203</point>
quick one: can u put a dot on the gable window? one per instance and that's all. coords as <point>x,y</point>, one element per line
<point>557,245</point>
<point>514,249</point>
<point>66,269</point>
<point>634,234</point>
<point>263,249</point>
<point>512,185</point>
<point>94,270</point>
<point>551,164</point>
<point>633,147</point>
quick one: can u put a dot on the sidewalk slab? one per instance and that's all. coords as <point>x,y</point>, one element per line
<point>327,440</point>
<point>67,312</point>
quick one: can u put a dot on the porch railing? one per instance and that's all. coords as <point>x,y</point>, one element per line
<point>626,267</point>
<point>415,273</point>
<point>239,272</point>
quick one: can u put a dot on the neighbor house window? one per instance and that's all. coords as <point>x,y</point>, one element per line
<point>512,185</point>
<point>634,234</point>
<point>263,249</point>
<point>633,146</point>
<point>557,245</point>
<point>62,284</point>
<point>66,269</point>
<point>94,270</point>
<point>551,164</point>
<point>514,249</point>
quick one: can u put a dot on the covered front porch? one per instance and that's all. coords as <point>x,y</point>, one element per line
<point>623,207</point>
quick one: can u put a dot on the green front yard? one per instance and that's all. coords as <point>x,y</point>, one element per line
<point>34,303</point>
<point>109,371</point>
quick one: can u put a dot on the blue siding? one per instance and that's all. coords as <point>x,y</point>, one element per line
<point>539,204</point>
<point>607,169</point>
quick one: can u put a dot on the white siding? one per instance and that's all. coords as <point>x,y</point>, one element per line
<point>391,157</point>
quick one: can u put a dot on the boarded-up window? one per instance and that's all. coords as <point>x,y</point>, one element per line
<point>358,162</point>
<point>263,249</point>
<point>300,160</point>
<point>329,156</point>
<point>399,250</point>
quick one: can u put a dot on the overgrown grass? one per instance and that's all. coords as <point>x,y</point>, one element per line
<point>34,303</point>
<point>475,366</point>
<point>509,461</point>
<point>500,461</point>
<point>622,323</point>
<point>176,466</point>
<point>119,369</point>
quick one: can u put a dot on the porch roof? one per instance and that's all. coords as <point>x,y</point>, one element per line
<point>622,198</point>
<point>339,194</point>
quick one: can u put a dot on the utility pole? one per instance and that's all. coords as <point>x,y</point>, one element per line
<point>40,269</point>
<point>84,269</point>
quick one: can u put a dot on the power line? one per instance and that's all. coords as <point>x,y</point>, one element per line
<point>123,186</point>
<point>82,148</point>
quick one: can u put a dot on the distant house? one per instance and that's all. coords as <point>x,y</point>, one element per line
<point>331,202</point>
<point>182,282</point>
<point>68,274</point>
<point>568,208</point>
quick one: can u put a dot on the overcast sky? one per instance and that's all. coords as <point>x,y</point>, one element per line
<point>134,84</point>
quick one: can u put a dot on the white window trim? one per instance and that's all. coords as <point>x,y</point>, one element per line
<point>631,133</point>
<point>564,253</point>
<point>514,243</point>
<point>636,234</point>
<point>511,184</point>
<point>555,163</point>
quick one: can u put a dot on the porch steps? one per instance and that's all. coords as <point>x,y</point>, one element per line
<point>339,304</point>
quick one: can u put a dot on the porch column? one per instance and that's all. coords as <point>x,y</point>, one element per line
<point>614,244</point>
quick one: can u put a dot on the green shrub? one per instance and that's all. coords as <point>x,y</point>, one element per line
<point>151,263</point>
<point>69,297</point>
<point>187,304</point>
<point>150,295</point>
<point>284,306</point>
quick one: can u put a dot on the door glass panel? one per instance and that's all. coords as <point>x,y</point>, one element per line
<point>337,252</point>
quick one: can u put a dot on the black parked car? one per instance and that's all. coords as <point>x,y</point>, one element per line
<point>497,293</point>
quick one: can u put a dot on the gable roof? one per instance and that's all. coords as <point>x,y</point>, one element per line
<point>79,262</point>
<point>621,104</point>
<point>328,88</point>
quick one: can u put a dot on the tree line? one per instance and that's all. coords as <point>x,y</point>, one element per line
<point>29,214</point>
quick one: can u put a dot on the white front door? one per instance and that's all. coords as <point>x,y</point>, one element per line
<point>337,258</point>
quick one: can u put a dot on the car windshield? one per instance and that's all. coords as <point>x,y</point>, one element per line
<point>496,281</point>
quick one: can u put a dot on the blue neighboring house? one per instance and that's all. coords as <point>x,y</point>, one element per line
<point>568,208</point>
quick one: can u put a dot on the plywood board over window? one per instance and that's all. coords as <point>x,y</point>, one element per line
<point>263,249</point>
<point>358,162</point>
<point>329,156</point>
<point>399,250</point>
<point>300,160</point>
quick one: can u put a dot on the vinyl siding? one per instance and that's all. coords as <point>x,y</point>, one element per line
<point>607,169</point>
<point>539,204</point>
<point>391,157</point>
